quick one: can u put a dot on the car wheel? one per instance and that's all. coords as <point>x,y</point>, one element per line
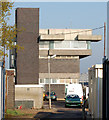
<point>65,105</point>
<point>55,99</point>
<point>81,106</point>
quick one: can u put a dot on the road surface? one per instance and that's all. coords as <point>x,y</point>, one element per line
<point>59,112</point>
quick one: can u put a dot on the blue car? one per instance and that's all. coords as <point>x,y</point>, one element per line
<point>73,100</point>
<point>52,95</point>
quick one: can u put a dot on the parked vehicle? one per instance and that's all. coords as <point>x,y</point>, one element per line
<point>75,89</point>
<point>73,100</point>
<point>43,96</point>
<point>52,95</point>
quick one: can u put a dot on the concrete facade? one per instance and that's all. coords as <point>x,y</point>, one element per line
<point>93,38</point>
<point>69,46</point>
<point>27,60</point>
<point>80,53</point>
<point>32,93</point>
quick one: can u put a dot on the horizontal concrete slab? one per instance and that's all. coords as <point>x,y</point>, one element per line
<point>80,53</point>
<point>69,34</point>
<point>51,37</point>
<point>59,75</point>
<point>92,38</point>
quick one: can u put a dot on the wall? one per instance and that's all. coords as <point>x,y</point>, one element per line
<point>67,36</point>
<point>29,93</point>
<point>59,89</point>
<point>28,58</point>
<point>95,90</point>
<point>11,89</point>
<point>60,68</point>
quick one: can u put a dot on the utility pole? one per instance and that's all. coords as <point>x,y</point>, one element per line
<point>104,93</point>
<point>49,81</point>
<point>104,37</point>
<point>49,58</point>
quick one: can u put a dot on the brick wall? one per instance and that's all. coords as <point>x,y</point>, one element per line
<point>28,58</point>
<point>59,89</point>
<point>60,65</point>
<point>11,90</point>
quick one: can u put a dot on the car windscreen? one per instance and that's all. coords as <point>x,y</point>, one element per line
<point>52,93</point>
<point>72,97</point>
<point>47,93</point>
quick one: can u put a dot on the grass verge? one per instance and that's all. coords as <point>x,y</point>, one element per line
<point>14,113</point>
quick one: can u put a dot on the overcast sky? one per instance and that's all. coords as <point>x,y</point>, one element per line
<point>73,15</point>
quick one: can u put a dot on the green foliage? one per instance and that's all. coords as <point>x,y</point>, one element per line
<point>7,32</point>
<point>13,112</point>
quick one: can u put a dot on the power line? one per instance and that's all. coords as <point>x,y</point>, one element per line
<point>78,31</point>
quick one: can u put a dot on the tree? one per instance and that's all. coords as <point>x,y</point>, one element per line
<point>7,35</point>
<point>7,32</point>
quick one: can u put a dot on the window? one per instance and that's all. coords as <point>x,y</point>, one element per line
<point>41,80</point>
<point>62,44</point>
<point>54,81</point>
<point>68,44</point>
<point>12,60</point>
<point>47,80</point>
<point>44,44</point>
<point>51,44</point>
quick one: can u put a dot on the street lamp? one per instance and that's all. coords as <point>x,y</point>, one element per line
<point>49,78</point>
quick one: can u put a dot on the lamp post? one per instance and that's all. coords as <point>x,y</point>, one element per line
<point>49,78</point>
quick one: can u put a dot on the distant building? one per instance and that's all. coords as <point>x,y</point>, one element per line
<point>84,79</point>
<point>69,46</point>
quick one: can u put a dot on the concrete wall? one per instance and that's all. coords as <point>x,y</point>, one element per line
<point>79,53</point>
<point>29,93</point>
<point>60,75</point>
<point>59,89</point>
<point>67,36</point>
<point>28,58</point>
<point>95,90</point>
<point>11,89</point>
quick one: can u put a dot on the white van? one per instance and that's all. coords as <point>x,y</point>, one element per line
<point>74,89</point>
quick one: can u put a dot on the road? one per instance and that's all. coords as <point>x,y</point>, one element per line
<point>59,112</point>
